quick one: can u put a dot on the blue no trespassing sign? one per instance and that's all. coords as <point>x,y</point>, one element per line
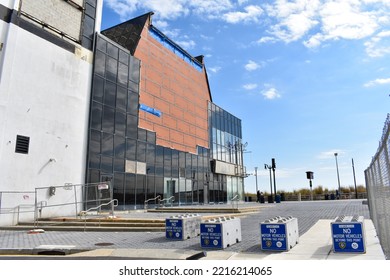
<point>348,238</point>
<point>273,237</point>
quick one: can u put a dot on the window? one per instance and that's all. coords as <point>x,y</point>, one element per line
<point>22,144</point>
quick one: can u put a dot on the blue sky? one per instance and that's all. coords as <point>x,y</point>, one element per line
<point>308,78</point>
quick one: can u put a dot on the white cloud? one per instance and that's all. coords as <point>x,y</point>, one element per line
<point>314,22</point>
<point>271,93</point>
<point>330,154</point>
<point>317,21</point>
<point>266,39</point>
<point>251,65</point>
<point>215,69</point>
<point>249,86</point>
<point>377,82</point>
<point>347,20</point>
<point>187,45</point>
<point>379,45</point>
<point>252,14</point>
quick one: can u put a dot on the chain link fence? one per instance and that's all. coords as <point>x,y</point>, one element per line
<point>377,177</point>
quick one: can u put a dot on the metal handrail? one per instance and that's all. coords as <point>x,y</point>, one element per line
<point>150,199</point>
<point>99,206</point>
<point>167,199</point>
<point>235,198</point>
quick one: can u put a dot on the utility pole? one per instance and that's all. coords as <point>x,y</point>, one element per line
<point>273,169</point>
<point>257,189</point>
<point>354,179</point>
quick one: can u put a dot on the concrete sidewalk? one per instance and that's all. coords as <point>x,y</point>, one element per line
<point>313,217</point>
<point>316,244</point>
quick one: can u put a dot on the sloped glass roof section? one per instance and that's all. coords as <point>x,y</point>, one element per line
<point>127,34</point>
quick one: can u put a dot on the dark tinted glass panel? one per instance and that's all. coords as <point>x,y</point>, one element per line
<point>119,165</point>
<point>142,134</point>
<point>94,143</point>
<point>141,152</point>
<point>123,57</point>
<point>108,119</point>
<point>94,176</point>
<point>131,130</point>
<point>151,137</point>
<point>122,74</point>
<point>132,103</point>
<point>110,94</point>
<point>90,10</point>
<point>96,119</point>
<point>175,158</point>
<point>121,98</point>
<point>91,2</point>
<point>134,70</point>
<point>112,51</point>
<point>108,144</point>
<point>150,151</point>
<point>167,156</point>
<point>182,159</point>
<point>118,188</point>
<point>175,172</point>
<point>120,123</point>
<point>131,148</point>
<point>101,44</point>
<point>106,164</point>
<point>133,86</point>
<point>119,146</point>
<point>167,171</point>
<point>100,63</point>
<point>159,155</point>
<point>130,189</point>
<point>159,182</point>
<point>89,26</point>
<point>111,69</point>
<point>150,189</point>
<point>98,88</point>
<point>94,161</point>
<point>159,169</point>
<point>140,187</point>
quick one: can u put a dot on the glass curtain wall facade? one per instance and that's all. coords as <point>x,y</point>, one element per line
<point>127,155</point>
<point>227,149</point>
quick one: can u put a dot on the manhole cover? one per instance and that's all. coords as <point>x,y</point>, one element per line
<point>104,244</point>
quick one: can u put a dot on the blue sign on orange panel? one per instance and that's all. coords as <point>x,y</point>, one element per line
<point>273,237</point>
<point>150,110</point>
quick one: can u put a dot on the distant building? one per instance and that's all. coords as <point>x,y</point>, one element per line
<point>126,105</point>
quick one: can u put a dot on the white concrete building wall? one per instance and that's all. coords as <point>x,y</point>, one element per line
<point>45,95</point>
<point>10,4</point>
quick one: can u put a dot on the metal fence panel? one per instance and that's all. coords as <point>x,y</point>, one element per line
<point>377,177</point>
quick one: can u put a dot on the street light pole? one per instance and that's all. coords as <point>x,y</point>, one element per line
<point>338,176</point>
<point>354,179</point>
<point>257,189</point>
<point>266,166</point>
<point>273,169</point>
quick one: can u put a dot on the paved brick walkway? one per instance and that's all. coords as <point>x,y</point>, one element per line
<point>307,213</point>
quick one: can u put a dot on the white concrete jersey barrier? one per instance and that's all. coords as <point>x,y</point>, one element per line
<point>348,234</point>
<point>220,233</point>
<point>183,227</point>
<point>279,234</point>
